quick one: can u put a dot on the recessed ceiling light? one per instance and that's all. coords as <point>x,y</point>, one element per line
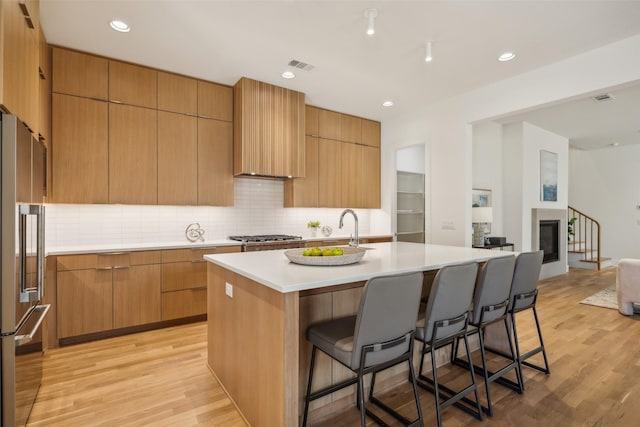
<point>614,144</point>
<point>120,26</point>
<point>387,104</point>
<point>288,75</point>
<point>507,56</point>
<point>370,14</point>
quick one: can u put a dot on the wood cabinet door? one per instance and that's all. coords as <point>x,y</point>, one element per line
<point>177,159</point>
<point>371,133</point>
<point>133,164</point>
<point>80,150</point>
<point>132,84</point>
<point>311,120</point>
<point>19,73</point>
<point>215,101</point>
<point>330,177</point>
<point>370,186</point>
<point>351,175</point>
<point>303,192</point>
<point>350,128</point>
<point>79,74</point>
<point>329,124</point>
<point>186,303</point>
<point>177,94</point>
<point>136,295</point>
<point>215,163</point>
<point>44,115</point>
<point>184,275</point>
<point>85,302</point>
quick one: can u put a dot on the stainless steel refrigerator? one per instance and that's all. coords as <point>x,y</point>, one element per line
<point>22,160</point>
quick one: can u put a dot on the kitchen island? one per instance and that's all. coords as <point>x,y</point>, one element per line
<point>260,305</point>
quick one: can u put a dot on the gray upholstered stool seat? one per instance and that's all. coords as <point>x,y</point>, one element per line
<point>335,338</point>
<point>378,337</point>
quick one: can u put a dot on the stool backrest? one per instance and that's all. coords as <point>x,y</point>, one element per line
<point>388,310</point>
<point>525,279</point>
<point>492,287</point>
<point>450,296</point>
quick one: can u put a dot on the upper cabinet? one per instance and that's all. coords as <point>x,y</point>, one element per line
<point>19,60</point>
<point>177,94</point>
<point>342,163</point>
<point>269,125</point>
<point>132,84</point>
<point>124,133</point>
<point>78,74</point>
<point>215,101</point>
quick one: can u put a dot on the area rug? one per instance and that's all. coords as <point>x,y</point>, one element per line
<point>605,298</point>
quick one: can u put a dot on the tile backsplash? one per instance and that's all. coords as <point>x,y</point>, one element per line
<point>257,210</point>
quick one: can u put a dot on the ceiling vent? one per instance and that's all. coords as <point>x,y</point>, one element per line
<point>300,65</point>
<point>603,97</point>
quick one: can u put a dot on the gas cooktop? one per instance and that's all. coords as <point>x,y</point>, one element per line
<point>265,238</point>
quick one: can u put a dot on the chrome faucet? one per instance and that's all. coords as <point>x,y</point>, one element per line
<point>356,241</point>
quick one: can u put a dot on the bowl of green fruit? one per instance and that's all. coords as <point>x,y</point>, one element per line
<point>325,256</point>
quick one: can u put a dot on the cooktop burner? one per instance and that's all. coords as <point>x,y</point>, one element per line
<point>265,238</point>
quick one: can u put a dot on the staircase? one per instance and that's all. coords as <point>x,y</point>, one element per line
<point>584,245</point>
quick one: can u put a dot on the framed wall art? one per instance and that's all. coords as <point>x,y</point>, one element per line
<point>548,176</point>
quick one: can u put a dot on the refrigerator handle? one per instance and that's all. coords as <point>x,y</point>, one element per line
<point>30,294</point>
<point>42,311</point>
<point>40,255</point>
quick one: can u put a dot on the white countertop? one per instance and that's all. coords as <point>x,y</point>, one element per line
<point>273,269</point>
<point>126,247</point>
<point>151,246</point>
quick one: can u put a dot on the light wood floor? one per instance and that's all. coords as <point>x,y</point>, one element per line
<point>160,378</point>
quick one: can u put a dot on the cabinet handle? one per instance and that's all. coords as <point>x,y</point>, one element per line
<point>120,267</point>
<point>113,253</point>
<point>104,268</point>
<point>198,260</point>
<point>198,289</point>
<point>115,101</point>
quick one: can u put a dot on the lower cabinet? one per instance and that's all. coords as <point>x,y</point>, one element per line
<point>184,281</point>
<point>104,293</point>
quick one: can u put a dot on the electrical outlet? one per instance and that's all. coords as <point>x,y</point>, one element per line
<point>228,289</point>
<point>448,225</point>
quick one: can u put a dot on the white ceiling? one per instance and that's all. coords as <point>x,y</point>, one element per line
<point>222,41</point>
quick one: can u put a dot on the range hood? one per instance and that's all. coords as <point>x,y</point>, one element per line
<point>268,140</point>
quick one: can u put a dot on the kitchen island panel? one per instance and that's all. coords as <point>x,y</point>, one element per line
<point>253,347</point>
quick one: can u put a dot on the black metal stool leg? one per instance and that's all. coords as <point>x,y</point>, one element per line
<point>306,400</point>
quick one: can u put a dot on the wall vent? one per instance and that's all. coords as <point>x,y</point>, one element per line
<point>300,65</point>
<point>603,97</point>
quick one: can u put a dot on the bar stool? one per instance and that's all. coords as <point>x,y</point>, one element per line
<point>491,305</point>
<point>443,321</point>
<point>378,337</point>
<point>524,294</point>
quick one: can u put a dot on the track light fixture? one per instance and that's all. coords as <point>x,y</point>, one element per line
<point>370,14</point>
<point>428,56</point>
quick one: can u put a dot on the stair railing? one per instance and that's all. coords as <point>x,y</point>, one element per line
<point>586,236</point>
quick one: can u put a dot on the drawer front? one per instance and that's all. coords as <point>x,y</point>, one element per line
<point>145,257</point>
<point>183,275</point>
<point>182,255</point>
<point>76,262</point>
<point>185,303</point>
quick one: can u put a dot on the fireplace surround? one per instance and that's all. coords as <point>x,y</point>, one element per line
<point>558,265</point>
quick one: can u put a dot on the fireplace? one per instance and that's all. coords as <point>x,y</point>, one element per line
<point>550,240</point>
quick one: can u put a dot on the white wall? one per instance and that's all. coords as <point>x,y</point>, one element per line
<point>487,168</point>
<point>522,145</point>
<point>411,159</point>
<point>604,185</point>
<point>446,129</point>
